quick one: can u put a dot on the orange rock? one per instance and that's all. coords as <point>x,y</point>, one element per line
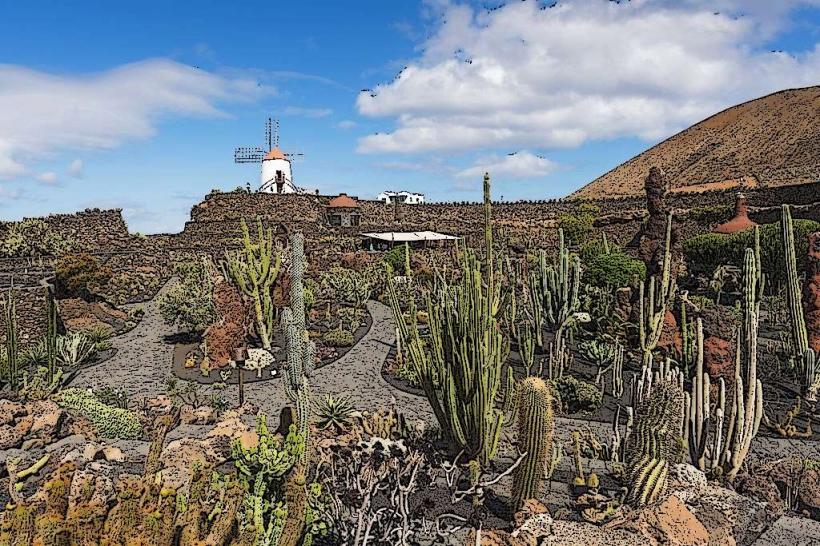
<point>669,522</point>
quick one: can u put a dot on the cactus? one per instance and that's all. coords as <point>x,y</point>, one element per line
<point>300,349</point>
<point>554,288</point>
<point>12,345</point>
<point>526,347</point>
<point>618,372</point>
<point>535,432</point>
<point>254,270</point>
<point>655,298</point>
<point>747,404</point>
<point>578,462</point>
<point>459,366</point>
<point>654,444</point>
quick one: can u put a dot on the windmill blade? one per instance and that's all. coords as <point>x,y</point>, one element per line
<point>292,156</point>
<point>248,155</point>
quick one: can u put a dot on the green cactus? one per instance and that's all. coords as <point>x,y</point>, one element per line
<point>526,347</point>
<point>12,344</point>
<point>655,299</point>
<point>535,432</point>
<point>654,444</point>
<point>253,270</point>
<point>459,366</point>
<point>747,404</point>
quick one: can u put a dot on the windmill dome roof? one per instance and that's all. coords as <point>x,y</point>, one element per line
<point>276,153</point>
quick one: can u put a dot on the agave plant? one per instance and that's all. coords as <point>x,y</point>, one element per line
<point>334,411</point>
<point>75,348</point>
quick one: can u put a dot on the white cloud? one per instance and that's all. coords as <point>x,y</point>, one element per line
<point>346,124</point>
<point>307,112</point>
<point>48,177</point>
<point>75,168</point>
<point>42,115</point>
<point>516,166</point>
<point>523,76</point>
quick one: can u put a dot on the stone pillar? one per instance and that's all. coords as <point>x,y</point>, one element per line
<point>811,292</point>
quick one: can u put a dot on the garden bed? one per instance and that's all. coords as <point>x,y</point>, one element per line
<point>182,348</point>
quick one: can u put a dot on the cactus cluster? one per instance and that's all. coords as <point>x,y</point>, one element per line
<point>655,299</point>
<point>535,433</point>
<point>254,270</point>
<point>459,366</point>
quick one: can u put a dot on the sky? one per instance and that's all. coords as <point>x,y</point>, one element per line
<point>140,105</point>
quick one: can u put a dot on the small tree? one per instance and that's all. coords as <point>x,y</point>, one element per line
<point>189,304</point>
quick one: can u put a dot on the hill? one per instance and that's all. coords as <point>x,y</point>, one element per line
<point>766,142</point>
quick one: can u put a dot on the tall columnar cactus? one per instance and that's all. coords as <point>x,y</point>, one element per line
<point>459,366</point>
<point>12,347</point>
<point>800,339</point>
<point>747,404</point>
<point>698,406</point>
<point>554,287</point>
<point>803,354</point>
<point>535,432</point>
<point>655,301</point>
<point>51,335</point>
<point>300,349</point>
<point>653,445</point>
<point>253,270</point>
<point>526,347</point>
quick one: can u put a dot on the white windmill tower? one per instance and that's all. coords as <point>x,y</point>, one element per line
<point>277,176</point>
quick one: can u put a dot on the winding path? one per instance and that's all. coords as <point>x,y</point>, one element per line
<point>143,358</point>
<point>143,362</point>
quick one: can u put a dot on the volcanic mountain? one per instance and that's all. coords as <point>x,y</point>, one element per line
<point>766,142</point>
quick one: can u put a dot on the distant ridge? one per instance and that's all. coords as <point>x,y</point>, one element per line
<point>766,142</point>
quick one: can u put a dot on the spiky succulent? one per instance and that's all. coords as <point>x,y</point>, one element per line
<point>334,411</point>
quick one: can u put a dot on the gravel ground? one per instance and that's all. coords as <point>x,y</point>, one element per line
<point>143,362</point>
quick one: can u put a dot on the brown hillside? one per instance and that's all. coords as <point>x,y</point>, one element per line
<point>770,141</point>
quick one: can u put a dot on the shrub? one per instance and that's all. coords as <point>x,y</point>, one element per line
<point>614,269</point>
<point>109,421</point>
<point>189,304</point>
<point>578,226</point>
<point>395,257</point>
<point>74,349</point>
<point>79,274</point>
<point>576,396</point>
<point>706,252</point>
<point>33,237</point>
<point>338,338</point>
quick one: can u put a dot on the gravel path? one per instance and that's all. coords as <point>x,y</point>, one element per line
<point>143,359</point>
<point>143,362</point>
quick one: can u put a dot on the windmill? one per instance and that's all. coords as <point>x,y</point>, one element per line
<point>276,170</point>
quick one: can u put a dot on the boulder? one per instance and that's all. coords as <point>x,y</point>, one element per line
<point>9,411</point>
<point>666,522</point>
<point>12,435</point>
<point>730,517</point>
<point>686,482</point>
<point>788,471</point>
<point>48,420</point>
<point>203,415</point>
<point>93,485</point>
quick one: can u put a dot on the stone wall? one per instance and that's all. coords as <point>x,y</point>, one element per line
<point>30,304</point>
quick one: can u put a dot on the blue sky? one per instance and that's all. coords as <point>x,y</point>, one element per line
<point>139,106</point>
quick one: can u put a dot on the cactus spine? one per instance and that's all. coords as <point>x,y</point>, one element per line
<point>254,270</point>
<point>459,367</point>
<point>653,444</point>
<point>747,405</point>
<point>535,432</point>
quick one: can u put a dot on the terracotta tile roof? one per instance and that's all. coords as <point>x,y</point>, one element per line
<point>343,201</point>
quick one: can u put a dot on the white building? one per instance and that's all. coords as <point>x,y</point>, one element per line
<point>404,197</point>
<point>276,173</point>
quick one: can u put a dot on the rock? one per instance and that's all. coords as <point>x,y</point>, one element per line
<point>32,443</point>
<point>159,404</point>
<point>13,435</point>
<point>92,485</point>
<point>719,361</point>
<point>761,488</point>
<point>9,411</point>
<point>730,517</point>
<point>791,530</point>
<point>811,293</point>
<point>670,340</point>
<point>203,415</point>
<point>686,482</point>
<point>788,471</point>
<point>90,451</point>
<point>667,522</point>
<point>178,457</point>
<point>48,420</point>
<point>574,533</point>
<point>68,442</point>
<point>113,454</point>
